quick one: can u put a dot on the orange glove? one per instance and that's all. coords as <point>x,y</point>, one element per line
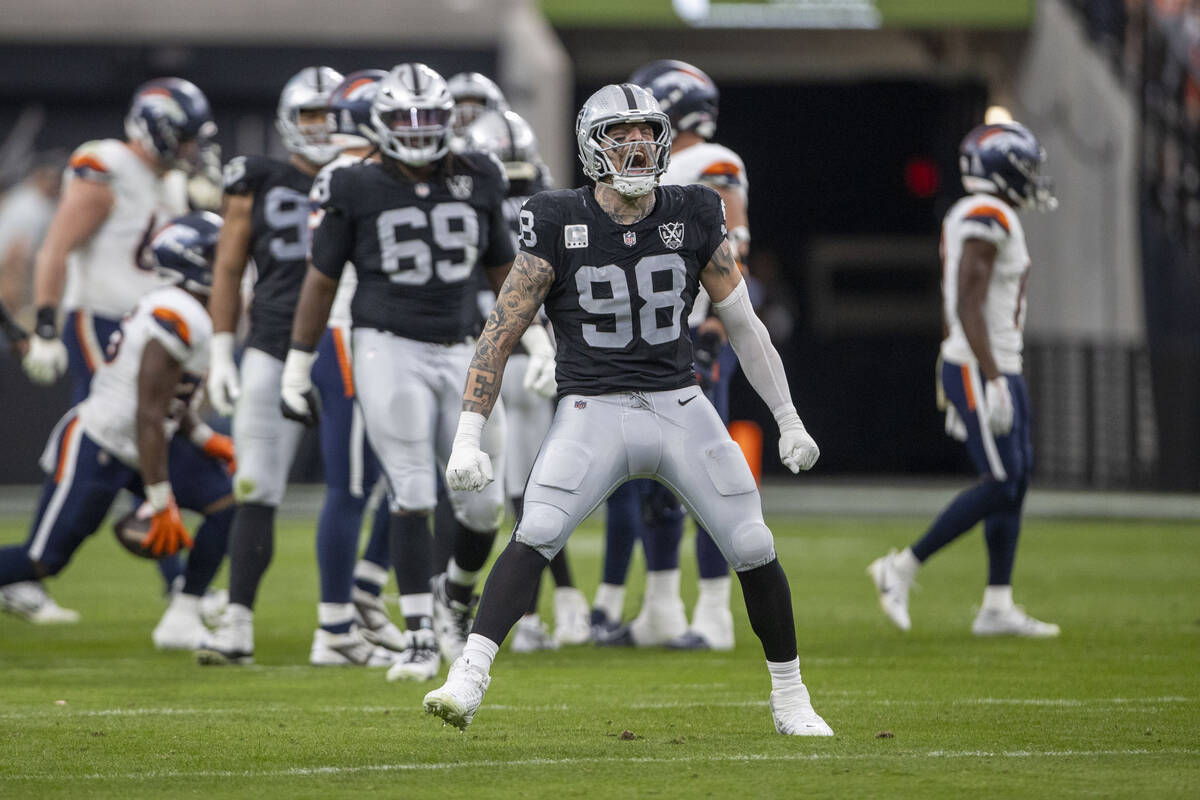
<point>167,533</point>
<point>215,445</point>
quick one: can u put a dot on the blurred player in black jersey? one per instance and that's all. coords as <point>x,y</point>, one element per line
<point>618,266</point>
<point>266,219</point>
<point>416,226</point>
<point>528,380</point>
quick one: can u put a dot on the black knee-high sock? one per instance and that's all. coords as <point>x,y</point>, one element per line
<point>412,557</point>
<point>560,568</point>
<point>444,528</point>
<point>537,596</point>
<point>506,593</point>
<point>769,606</point>
<point>471,551</point>
<point>251,546</point>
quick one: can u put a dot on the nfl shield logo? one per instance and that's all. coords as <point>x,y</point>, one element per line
<point>422,189</point>
<point>460,186</point>
<point>672,234</point>
<point>630,238</point>
<point>581,403</point>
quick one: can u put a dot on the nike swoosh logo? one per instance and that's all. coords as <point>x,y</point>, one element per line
<point>690,399</point>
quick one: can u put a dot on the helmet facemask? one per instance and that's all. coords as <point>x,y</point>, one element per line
<point>415,136</point>
<point>636,166</point>
<point>303,119</point>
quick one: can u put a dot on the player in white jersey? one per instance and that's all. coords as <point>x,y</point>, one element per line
<point>690,99</point>
<point>136,430</point>
<point>985,273</point>
<point>116,195</point>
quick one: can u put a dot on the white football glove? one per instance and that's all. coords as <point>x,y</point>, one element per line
<point>797,449</point>
<point>468,469</point>
<point>956,429</point>
<point>46,360</point>
<point>298,401</point>
<point>999,406</point>
<point>224,386</point>
<point>539,374</point>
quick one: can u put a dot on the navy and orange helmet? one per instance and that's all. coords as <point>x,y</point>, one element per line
<point>1005,159</point>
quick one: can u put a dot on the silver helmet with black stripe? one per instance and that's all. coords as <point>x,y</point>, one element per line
<point>411,114</point>
<point>634,168</point>
<point>309,90</point>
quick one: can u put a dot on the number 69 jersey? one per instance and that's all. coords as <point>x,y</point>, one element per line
<point>278,244</point>
<point>622,293</point>
<point>414,243</point>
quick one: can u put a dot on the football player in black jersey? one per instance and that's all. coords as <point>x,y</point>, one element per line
<point>266,219</point>
<point>528,380</point>
<point>416,226</point>
<point>617,267</point>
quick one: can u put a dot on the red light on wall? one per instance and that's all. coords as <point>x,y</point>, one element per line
<point>922,177</point>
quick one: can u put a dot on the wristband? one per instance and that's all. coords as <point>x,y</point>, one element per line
<point>222,346</point>
<point>470,428</point>
<point>47,324</point>
<point>158,495</point>
<point>303,348</point>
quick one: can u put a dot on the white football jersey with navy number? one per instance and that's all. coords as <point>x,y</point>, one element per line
<point>103,275</point>
<point>179,323</point>
<point>986,217</point>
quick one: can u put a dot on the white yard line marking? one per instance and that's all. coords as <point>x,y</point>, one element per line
<point>302,772</point>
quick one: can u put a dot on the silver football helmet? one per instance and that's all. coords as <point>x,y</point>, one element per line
<point>411,115</point>
<point>474,93</point>
<point>507,136</point>
<point>634,168</point>
<point>307,90</point>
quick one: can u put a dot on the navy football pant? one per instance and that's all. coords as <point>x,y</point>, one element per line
<point>1005,465</point>
<point>81,487</point>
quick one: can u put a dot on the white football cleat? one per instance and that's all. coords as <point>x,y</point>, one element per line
<point>30,601</point>
<point>794,715</point>
<point>377,626</point>
<point>451,619</point>
<point>181,626</point>
<point>711,629</point>
<point>530,635</point>
<point>460,696</point>
<point>658,622</point>
<point>1012,622</point>
<point>347,649</point>
<point>892,586</point>
<point>420,662</point>
<point>572,617</point>
<point>213,605</point>
<point>231,643</point>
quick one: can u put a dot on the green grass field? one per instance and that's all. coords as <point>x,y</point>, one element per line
<point>1110,709</point>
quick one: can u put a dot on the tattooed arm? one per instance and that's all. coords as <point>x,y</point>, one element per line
<point>721,275</point>
<point>519,299</point>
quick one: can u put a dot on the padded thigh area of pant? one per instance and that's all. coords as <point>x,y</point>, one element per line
<point>564,465</point>
<point>727,469</point>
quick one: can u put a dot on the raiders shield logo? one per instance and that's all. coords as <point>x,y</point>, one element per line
<point>630,238</point>
<point>460,186</point>
<point>672,234</point>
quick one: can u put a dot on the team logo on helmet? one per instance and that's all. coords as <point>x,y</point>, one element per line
<point>163,105</point>
<point>672,234</point>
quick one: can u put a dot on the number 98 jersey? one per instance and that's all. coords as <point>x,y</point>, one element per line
<point>278,244</point>
<point>621,293</point>
<point>414,244</point>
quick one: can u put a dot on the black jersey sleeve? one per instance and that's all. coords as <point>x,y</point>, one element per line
<point>541,227</point>
<point>710,216</point>
<point>242,175</point>
<point>333,239</point>
<point>499,248</point>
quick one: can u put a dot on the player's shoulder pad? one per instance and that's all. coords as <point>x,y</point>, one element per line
<point>693,195</point>
<point>96,160</point>
<point>487,167</point>
<point>245,174</point>
<point>178,314</point>
<point>553,204</point>
<point>988,211</point>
